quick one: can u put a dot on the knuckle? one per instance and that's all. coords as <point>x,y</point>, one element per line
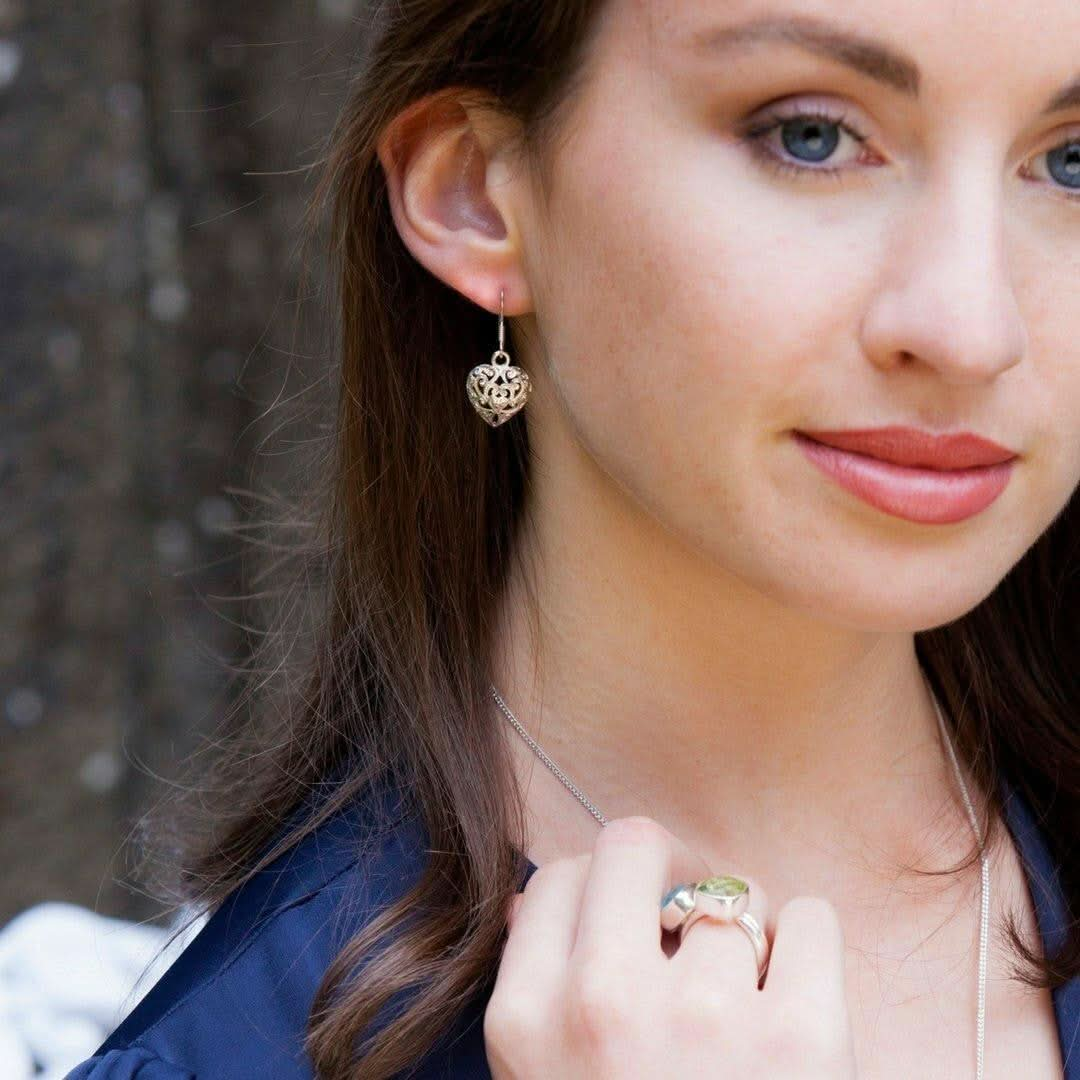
<point>802,1039</point>
<point>701,1016</point>
<point>785,1041</point>
<point>509,1022</point>
<point>600,1006</point>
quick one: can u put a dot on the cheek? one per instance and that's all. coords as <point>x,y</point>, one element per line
<point>689,320</point>
<point>697,311</point>
<point>1056,461</point>
<point>1041,395</point>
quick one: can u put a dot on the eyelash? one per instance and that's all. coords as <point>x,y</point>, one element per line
<point>754,136</point>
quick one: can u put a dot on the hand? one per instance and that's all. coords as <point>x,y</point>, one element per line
<point>589,985</point>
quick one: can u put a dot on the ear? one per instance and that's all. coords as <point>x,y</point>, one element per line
<point>447,167</point>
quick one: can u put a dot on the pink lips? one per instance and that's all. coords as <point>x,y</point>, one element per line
<point>910,473</point>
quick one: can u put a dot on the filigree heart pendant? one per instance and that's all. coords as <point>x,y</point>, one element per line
<point>498,389</point>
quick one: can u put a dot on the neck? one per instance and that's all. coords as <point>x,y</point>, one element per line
<point>665,685</point>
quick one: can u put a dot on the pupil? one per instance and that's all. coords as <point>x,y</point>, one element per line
<point>1064,164</point>
<point>809,139</point>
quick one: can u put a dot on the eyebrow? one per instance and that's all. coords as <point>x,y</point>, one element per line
<point>867,55</point>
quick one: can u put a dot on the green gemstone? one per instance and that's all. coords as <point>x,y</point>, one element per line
<point>723,886</point>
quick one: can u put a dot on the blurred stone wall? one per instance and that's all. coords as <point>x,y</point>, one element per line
<point>149,212</point>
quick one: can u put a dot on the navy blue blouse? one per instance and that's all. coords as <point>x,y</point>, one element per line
<point>235,1002</point>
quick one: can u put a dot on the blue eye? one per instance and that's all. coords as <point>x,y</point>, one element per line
<point>1063,163</point>
<point>807,136</point>
<point>810,136</point>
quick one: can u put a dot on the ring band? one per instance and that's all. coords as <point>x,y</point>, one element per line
<point>753,931</point>
<point>722,898</point>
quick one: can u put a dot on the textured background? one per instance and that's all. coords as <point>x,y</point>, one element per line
<point>150,206</point>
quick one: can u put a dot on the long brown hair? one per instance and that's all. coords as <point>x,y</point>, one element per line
<point>408,526</point>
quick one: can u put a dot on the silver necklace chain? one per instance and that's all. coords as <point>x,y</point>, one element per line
<point>984,909</point>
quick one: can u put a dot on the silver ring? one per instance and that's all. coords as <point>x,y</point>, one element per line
<point>722,898</point>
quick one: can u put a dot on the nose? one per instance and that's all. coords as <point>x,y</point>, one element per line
<point>946,300</point>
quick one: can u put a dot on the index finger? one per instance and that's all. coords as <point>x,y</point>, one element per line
<point>635,861</point>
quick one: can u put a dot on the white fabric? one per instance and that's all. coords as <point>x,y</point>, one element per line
<point>67,977</point>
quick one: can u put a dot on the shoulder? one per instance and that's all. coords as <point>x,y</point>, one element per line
<point>1043,872</point>
<point>1044,878</point>
<point>235,1002</point>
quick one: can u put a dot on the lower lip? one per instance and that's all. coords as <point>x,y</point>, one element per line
<point>932,496</point>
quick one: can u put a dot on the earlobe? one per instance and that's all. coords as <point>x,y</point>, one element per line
<point>442,201</point>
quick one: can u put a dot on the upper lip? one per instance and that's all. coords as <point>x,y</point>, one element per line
<point>913,446</point>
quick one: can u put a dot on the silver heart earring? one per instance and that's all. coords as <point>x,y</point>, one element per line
<point>498,389</point>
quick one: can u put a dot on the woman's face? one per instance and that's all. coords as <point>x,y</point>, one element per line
<point>898,249</point>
